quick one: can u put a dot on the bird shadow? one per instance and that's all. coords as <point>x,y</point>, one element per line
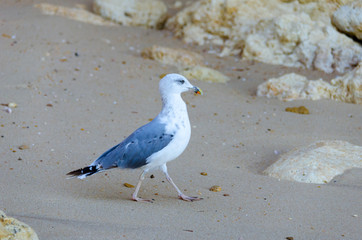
<point>101,188</point>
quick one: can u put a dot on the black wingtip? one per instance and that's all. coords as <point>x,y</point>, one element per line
<point>84,172</point>
<point>76,173</point>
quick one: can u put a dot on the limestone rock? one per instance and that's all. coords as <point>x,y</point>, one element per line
<point>148,13</point>
<point>293,33</point>
<point>318,163</point>
<point>189,64</point>
<point>294,40</point>
<point>294,87</point>
<point>173,56</point>
<point>220,22</point>
<point>78,14</point>
<point>348,19</point>
<point>12,229</point>
<point>347,88</point>
<point>205,74</point>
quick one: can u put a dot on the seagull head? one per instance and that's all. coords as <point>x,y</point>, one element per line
<point>176,84</point>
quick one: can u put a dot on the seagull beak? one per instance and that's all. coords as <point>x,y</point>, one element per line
<point>197,90</point>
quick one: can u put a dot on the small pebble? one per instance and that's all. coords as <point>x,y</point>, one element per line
<point>128,185</point>
<point>215,188</point>
<point>23,147</point>
<point>203,173</point>
<point>300,110</point>
<point>12,105</point>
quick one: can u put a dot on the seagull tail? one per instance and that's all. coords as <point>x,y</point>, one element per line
<point>85,172</point>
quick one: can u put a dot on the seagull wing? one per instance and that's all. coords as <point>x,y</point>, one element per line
<point>135,149</point>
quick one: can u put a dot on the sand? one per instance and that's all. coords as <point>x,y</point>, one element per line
<point>82,88</point>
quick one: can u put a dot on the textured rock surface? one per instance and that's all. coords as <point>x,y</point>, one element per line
<point>12,229</point>
<point>347,88</point>
<point>205,74</point>
<point>148,13</point>
<point>79,14</point>
<point>319,162</point>
<point>294,87</point>
<point>173,56</point>
<point>189,64</point>
<point>348,19</point>
<point>295,40</point>
<point>295,33</point>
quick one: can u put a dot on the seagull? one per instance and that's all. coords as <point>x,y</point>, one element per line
<point>154,144</point>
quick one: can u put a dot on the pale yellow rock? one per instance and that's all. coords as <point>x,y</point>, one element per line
<point>295,40</point>
<point>78,14</point>
<point>348,88</point>
<point>221,22</point>
<point>12,105</point>
<point>318,163</point>
<point>290,33</point>
<point>177,57</point>
<point>348,19</point>
<point>205,74</point>
<point>294,87</point>
<point>190,64</point>
<point>12,229</point>
<point>148,13</point>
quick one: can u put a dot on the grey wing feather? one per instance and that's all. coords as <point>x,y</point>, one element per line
<point>135,149</point>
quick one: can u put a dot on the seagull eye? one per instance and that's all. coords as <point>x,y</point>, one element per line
<point>181,81</point>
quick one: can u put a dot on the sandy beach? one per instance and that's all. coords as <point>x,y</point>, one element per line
<point>81,88</point>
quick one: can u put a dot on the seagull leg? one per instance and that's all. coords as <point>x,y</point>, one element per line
<point>134,195</point>
<point>180,194</point>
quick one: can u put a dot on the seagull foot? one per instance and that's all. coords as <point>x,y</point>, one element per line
<point>189,199</point>
<point>137,199</point>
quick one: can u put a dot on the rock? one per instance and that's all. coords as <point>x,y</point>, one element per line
<point>12,229</point>
<point>177,57</point>
<point>148,13</point>
<point>318,163</point>
<point>205,74</point>
<point>12,105</point>
<point>293,33</point>
<point>219,22</point>
<point>347,88</point>
<point>189,64</point>
<point>23,147</point>
<point>348,19</point>
<point>299,110</point>
<point>215,188</point>
<point>294,40</point>
<point>78,14</point>
<point>294,87</point>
